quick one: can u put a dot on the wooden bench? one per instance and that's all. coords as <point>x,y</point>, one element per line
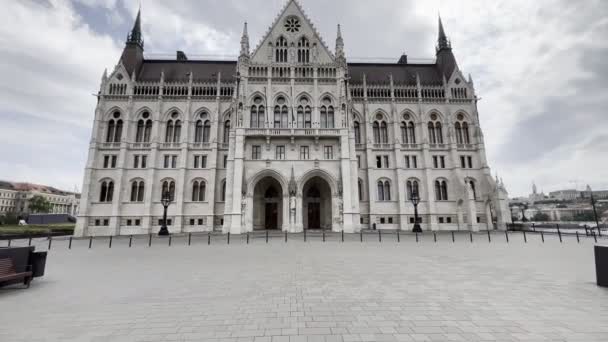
<point>7,272</point>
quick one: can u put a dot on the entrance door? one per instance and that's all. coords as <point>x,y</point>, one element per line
<point>272,215</point>
<point>314,215</point>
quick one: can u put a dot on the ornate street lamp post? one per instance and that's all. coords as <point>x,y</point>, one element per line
<point>415,200</point>
<point>165,201</point>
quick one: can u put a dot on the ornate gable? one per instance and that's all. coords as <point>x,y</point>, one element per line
<point>285,33</point>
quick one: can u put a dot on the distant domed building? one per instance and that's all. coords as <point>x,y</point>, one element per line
<point>289,136</point>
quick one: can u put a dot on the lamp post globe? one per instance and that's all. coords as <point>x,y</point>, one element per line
<point>415,199</point>
<point>165,201</point>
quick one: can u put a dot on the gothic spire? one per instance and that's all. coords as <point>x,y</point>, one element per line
<point>442,40</point>
<point>339,44</point>
<point>136,37</point>
<point>245,41</point>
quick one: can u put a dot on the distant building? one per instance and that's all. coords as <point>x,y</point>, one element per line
<point>15,198</point>
<point>565,195</point>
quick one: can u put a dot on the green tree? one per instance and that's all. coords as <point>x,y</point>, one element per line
<point>39,204</point>
<point>584,216</point>
<point>540,217</point>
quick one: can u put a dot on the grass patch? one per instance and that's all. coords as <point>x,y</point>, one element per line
<point>37,229</point>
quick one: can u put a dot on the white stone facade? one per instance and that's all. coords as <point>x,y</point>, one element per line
<point>332,148</point>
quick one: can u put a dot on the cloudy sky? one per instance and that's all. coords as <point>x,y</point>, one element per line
<point>540,67</point>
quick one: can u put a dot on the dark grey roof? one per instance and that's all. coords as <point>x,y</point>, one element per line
<point>179,70</point>
<point>402,73</point>
<point>6,185</point>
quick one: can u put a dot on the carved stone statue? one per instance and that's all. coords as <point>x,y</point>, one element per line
<point>315,53</point>
<point>243,210</point>
<point>292,54</point>
<point>292,209</point>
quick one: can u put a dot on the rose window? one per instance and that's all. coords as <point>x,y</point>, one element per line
<point>292,25</point>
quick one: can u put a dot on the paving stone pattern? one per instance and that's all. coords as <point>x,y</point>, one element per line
<point>313,291</point>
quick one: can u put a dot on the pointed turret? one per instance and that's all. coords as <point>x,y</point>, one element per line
<point>133,53</point>
<point>340,45</point>
<point>292,186</point>
<point>446,62</point>
<point>245,42</point>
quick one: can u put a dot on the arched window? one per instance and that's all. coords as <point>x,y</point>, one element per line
<point>281,113</point>
<point>284,117</point>
<point>277,116</point>
<point>198,191</point>
<point>360,188</point>
<point>114,132</point>
<point>300,117</point>
<point>169,131</point>
<point>144,127</point>
<point>257,116</point>
<point>307,117</point>
<point>280,51</point>
<point>462,130</point>
<point>357,132</point>
<point>110,131</point>
<point>137,191</point>
<point>458,129</point>
<point>303,50</point>
<point>118,133</point>
<point>223,194</point>
<point>471,183</point>
<point>147,130</point>
<point>198,131</point>
<point>327,113</point>
<point>465,133</point>
<point>226,131</point>
<point>387,191</point>
<point>177,131</point>
<point>376,128</point>
<point>412,188</point>
<point>432,138</point>
<point>206,131</point>
<point>383,133</point>
<point>107,191</point>
<point>380,191</point>
<point>139,134</point>
<point>408,135</point>
<point>441,190</point>
<point>168,186</point>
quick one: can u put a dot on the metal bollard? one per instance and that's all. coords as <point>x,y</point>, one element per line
<point>29,243</point>
<point>594,236</point>
<point>507,235</point>
<point>247,237</point>
<point>361,234</point>
<point>304,235</point>
<point>471,236</point>
<point>9,242</point>
<point>323,235</point>
<point>489,238</point>
<point>577,239</point>
<point>416,237</point>
<point>398,237</point>
<point>130,241</point>
<point>150,240</point>
<point>228,238</point>
<point>70,244</point>
<point>525,238</point>
<point>170,237</point>
<point>110,243</point>
<point>435,236</point>
<point>453,240</point>
<point>542,236</point>
<point>50,241</point>
<point>90,241</point>
<point>209,238</point>
<point>559,233</point>
<point>285,236</point>
<point>343,236</point>
<point>189,238</point>
<point>379,235</point>
<point>533,228</point>
<point>266,235</point>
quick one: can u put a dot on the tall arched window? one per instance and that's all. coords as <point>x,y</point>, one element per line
<point>169,131</point>
<point>300,116</point>
<point>144,127</point>
<point>281,113</point>
<point>471,183</point>
<point>357,127</point>
<point>307,117</point>
<point>198,191</point>
<point>147,130</point>
<point>198,131</point>
<point>408,135</point>
<point>465,133</point>
<point>360,188</point>
<point>462,130</point>
<point>137,191</point>
<point>303,50</point>
<point>435,130</point>
<point>327,113</point>
<point>384,190</point>
<point>441,190</point>
<point>383,133</point>
<point>168,186</point>
<point>412,188</point>
<point>280,51</point>
<point>114,132</point>
<point>107,191</point>
<point>223,194</point>
<point>206,131</point>
<point>376,129</point>
<point>380,191</point>
<point>258,115</point>
<point>226,131</point>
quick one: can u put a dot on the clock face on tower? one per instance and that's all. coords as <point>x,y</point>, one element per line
<point>292,24</point>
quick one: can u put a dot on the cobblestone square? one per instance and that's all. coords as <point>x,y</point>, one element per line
<point>312,291</point>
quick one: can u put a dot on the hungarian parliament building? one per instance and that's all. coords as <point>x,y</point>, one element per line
<point>288,136</point>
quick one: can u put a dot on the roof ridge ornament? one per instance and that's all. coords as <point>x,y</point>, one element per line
<point>442,40</point>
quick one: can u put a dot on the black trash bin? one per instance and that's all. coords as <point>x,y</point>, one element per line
<point>38,262</point>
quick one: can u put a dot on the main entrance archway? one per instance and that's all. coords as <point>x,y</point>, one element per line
<point>267,204</point>
<point>316,204</point>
